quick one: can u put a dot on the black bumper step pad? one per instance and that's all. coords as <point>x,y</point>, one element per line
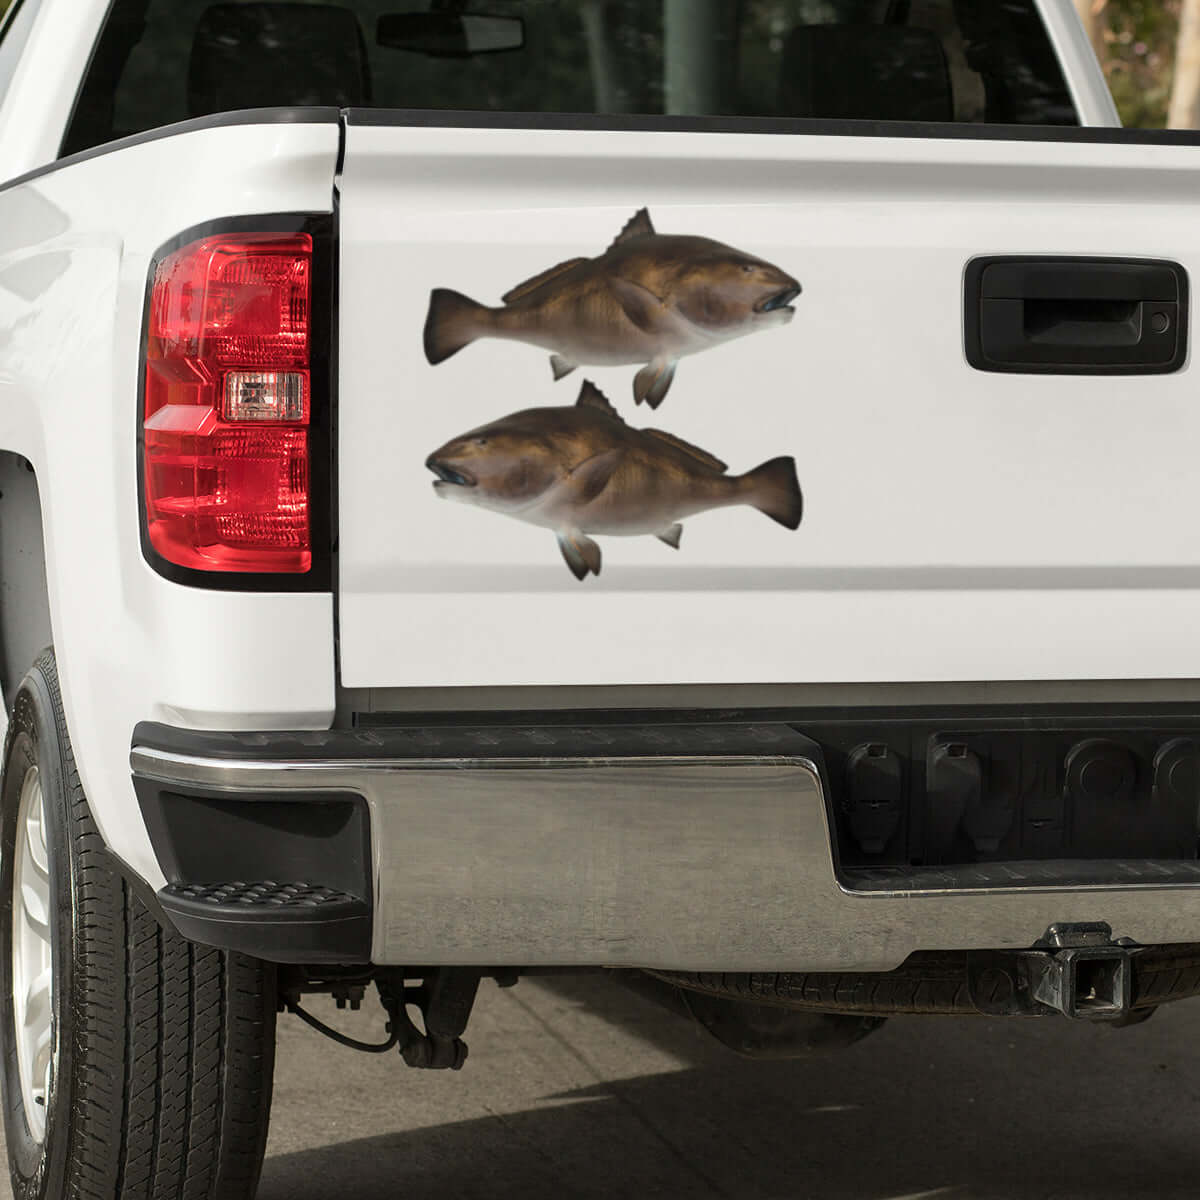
<point>287,922</point>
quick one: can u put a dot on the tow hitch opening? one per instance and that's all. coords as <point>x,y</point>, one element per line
<point>1097,989</point>
<point>1090,978</point>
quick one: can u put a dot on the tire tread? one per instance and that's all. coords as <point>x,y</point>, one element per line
<point>173,1042</point>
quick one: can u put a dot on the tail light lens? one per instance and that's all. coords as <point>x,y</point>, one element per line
<point>228,401</point>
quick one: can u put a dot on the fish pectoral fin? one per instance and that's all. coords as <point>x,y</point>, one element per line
<point>592,475</point>
<point>639,225</point>
<point>562,367</point>
<point>653,382</point>
<point>671,535</point>
<point>531,285</point>
<point>646,310</point>
<point>581,554</point>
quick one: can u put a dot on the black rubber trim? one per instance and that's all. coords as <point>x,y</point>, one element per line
<point>1003,876</point>
<point>652,738</point>
<point>255,920</point>
<point>319,577</point>
<point>342,940</point>
<point>794,126</point>
<point>393,734</point>
<point>248,116</point>
<point>1020,714</point>
<point>243,870</point>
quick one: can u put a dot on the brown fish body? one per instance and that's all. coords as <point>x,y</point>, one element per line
<point>582,470</point>
<point>650,298</point>
<point>580,320</point>
<point>653,485</point>
<point>585,311</point>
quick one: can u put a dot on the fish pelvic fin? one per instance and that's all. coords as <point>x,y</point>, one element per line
<point>671,535</point>
<point>590,396</point>
<point>639,225</point>
<point>653,382</point>
<point>454,321</point>
<point>580,553</point>
<point>562,367</point>
<point>774,490</point>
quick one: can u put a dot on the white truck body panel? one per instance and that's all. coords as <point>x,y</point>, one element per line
<point>75,249</point>
<point>960,525</point>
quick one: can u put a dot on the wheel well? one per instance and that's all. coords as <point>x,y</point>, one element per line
<point>24,602</point>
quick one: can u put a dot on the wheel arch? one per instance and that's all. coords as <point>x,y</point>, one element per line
<point>24,595</point>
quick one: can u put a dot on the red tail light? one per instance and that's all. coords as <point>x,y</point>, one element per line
<point>227,405</point>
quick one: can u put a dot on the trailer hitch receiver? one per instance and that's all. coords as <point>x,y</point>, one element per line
<point>1087,976</point>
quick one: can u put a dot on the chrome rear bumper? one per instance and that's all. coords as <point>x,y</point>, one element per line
<point>653,856</point>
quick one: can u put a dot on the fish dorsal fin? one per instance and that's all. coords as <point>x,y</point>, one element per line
<point>701,456</point>
<point>523,289</point>
<point>639,225</point>
<point>590,396</point>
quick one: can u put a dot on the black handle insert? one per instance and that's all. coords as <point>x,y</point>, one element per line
<point>1076,316</point>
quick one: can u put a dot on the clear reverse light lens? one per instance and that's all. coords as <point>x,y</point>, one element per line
<point>265,396</point>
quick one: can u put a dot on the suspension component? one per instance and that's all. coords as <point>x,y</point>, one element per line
<point>445,998</point>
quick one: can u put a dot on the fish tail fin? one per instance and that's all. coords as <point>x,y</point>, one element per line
<point>774,489</point>
<point>454,321</point>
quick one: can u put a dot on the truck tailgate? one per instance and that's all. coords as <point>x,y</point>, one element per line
<point>959,524</point>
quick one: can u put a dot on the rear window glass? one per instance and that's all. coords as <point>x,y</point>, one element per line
<point>160,61</point>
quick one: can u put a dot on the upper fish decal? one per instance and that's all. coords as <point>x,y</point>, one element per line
<point>582,471</point>
<point>650,298</point>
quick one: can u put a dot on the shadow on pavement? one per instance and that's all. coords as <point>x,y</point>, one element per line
<point>935,1107</point>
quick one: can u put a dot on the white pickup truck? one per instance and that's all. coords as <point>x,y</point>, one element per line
<point>697,490</point>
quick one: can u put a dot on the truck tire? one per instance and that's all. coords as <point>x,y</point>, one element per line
<point>137,1066</point>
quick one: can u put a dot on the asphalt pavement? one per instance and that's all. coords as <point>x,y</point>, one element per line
<point>577,1088</point>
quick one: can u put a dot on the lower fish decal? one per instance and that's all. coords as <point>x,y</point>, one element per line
<point>582,470</point>
<point>650,298</point>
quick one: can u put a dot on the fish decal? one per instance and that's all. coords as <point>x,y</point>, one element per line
<point>582,470</point>
<point>650,298</point>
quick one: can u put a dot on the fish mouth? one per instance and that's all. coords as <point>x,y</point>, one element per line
<point>780,301</point>
<point>449,476</point>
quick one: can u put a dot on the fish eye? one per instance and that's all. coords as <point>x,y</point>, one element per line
<point>748,268</point>
<point>481,441</point>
